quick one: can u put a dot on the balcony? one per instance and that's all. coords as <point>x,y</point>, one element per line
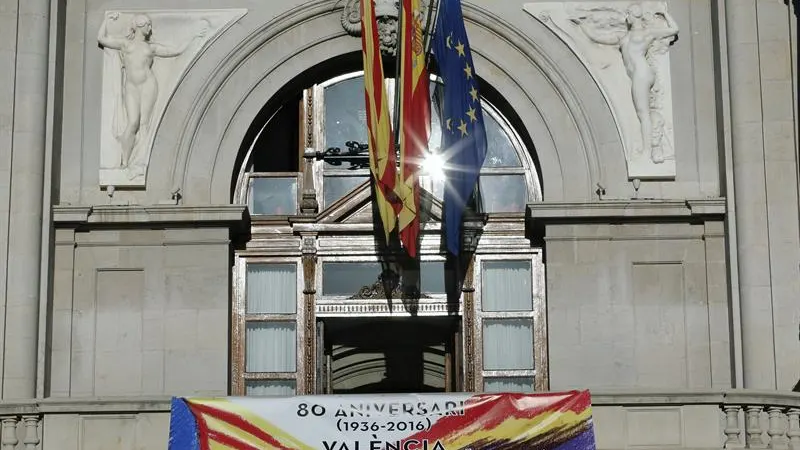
<point>623,420</point>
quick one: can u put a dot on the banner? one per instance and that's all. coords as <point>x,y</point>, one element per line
<point>558,421</point>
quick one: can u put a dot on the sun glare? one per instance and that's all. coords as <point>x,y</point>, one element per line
<point>434,166</point>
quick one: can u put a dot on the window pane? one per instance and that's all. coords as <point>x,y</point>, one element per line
<point>507,344</point>
<point>500,151</point>
<point>273,196</point>
<point>503,193</point>
<point>337,187</point>
<point>345,115</point>
<point>518,384</point>
<point>271,289</point>
<point>271,387</point>
<point>506,286</point>
<point>270,347</point>
<point>348,278</point>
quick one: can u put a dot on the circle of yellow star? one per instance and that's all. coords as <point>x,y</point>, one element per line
<point>468,71</point>
<point>471,113</point>
<point>463,128</point>
<point>474,94</point>
<point>460,49</point>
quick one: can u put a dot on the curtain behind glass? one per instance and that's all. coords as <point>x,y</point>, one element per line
<point>506,286</point>
<point>507,344</point>
<point>271,387</point>
<point>522,384</point>
<point>270,347</point>
<point>271,289</point>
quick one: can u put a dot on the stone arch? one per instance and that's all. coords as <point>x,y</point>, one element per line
<point>552,93</point>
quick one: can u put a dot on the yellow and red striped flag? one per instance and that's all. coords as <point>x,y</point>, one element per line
<point>382,159</point>
<point>415,120</point>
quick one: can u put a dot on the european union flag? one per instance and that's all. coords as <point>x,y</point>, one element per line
<point>463,131</point>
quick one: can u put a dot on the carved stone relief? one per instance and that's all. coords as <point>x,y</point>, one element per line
<point>145,56</point>
<point>625,45</point>
<point>387,12</point>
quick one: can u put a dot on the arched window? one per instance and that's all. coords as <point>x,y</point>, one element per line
<point>508,181</point>
<point>308,302</point>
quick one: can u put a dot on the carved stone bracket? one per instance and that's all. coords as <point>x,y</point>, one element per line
<point>387,13</point>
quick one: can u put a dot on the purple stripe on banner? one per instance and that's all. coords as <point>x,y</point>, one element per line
<point>182,427</point>
<point>583,441</point>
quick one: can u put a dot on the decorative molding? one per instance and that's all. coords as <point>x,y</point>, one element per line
<point>468,317</point>
<point>165,44</point>
<point>309,263</point>
<point>380,307</point>
<point>377,290</point>
<point>188,215</point>
<point>626,210</point>
<point>625,47</point>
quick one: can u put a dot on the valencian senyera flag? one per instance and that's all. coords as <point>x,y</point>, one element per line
<point>557,421</point>
<point>382,155</point>
<point>414,119</point>
<point>463,131</point>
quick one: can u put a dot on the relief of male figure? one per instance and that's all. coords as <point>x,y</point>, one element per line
<point>139,84</point>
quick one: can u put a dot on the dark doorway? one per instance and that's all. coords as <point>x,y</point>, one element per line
<point>390,355</point>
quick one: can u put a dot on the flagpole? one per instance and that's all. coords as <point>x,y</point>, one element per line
<point>428,31</point>
<point>397,86</point>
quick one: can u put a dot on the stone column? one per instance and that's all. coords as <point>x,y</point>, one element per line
<point>27,187</point>
<point>765,182</point>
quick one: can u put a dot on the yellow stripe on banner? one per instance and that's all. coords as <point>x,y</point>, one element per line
<point>214,445</point>
<point>278,434</point>
<point>518,429</point>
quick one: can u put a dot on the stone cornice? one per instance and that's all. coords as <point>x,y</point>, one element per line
<point>631,398</point>
<point>626,211</point>
<point>228,215</point>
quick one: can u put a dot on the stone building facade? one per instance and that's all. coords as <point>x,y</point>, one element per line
<point>172,221</point>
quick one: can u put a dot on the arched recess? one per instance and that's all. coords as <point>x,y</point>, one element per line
<point>551,92</point>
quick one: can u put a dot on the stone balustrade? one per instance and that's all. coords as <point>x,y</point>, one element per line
<point>623,420</point>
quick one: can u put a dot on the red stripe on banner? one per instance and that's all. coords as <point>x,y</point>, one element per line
<point>497,408</point>
<point>230,441</point>
<point>202,428</point>
<point>239,422</point>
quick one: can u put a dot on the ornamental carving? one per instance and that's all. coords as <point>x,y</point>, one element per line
<point>388,14</point>
<point>625,45</point>
<point>145,54</point>
<point>392,282</point>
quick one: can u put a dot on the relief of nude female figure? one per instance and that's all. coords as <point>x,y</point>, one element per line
<point>139,85</point>
<point>635,39</point>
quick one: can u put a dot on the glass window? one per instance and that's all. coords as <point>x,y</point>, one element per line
<point>508,384</point>
<point>500,150</point>
<point>273,196</point>
<point>271,347</point>
<point>347,278</point>
<point>503,193</point>
<point>506,286</point>
<point>345,115</point>
<point>508,344</point>
<point>271,289</point>
<point>345,120</point>
<point>270,387</point>
<point>337,187</point>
